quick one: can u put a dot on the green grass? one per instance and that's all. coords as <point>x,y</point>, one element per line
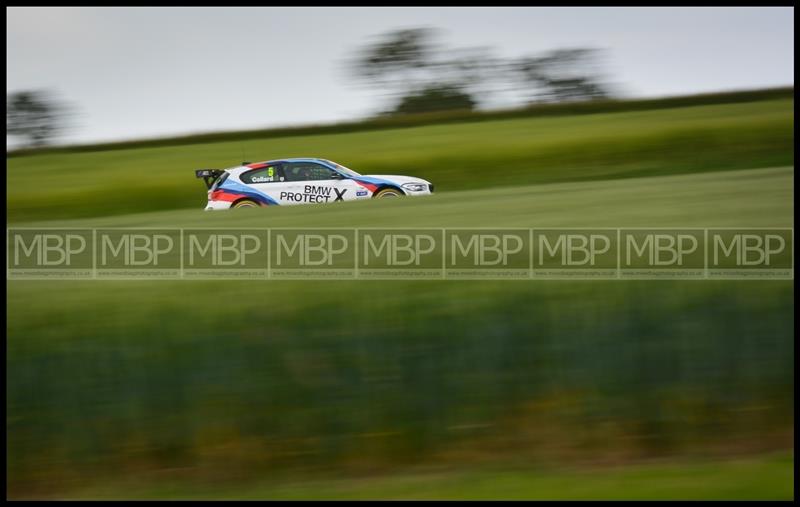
<point>106,379</point>
<point>245,380</point>
<point>111,378</point>
<point>757,197</point>
<point>763,478</point>
<point>470,155</point>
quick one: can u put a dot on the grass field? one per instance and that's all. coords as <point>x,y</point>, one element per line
<point>756,197</point>
<point>766,478</point>
<point>242,380</point>
<point>454,156</point>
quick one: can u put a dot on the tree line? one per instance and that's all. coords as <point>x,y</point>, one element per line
<point>424,77</point>
<point>419,74</point>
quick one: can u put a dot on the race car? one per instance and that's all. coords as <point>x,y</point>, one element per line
<point>300,181</point>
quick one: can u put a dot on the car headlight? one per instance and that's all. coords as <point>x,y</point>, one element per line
<point>415,187</point>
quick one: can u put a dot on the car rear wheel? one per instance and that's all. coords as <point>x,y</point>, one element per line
<point>386,192</point>
<point>245,203</point>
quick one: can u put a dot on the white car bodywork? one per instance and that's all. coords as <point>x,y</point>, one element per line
<point>304,181</point>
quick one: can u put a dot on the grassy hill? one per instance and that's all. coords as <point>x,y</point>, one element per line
<point>244,388</point>
<point>459,156</point>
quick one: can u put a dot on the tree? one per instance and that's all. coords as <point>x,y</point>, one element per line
<point>425,77</point>
<point>400,59</point>
<point>562,75</point>
<point>35,116</point>
<point>409,64</point>
<point>441,98</point>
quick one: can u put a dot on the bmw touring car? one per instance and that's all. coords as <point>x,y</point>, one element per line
<point>300,181</point>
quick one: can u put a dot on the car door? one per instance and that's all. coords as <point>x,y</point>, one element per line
<point>267,180</point>
<point>315,183</point>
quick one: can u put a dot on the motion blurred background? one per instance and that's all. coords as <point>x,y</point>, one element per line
<point>521,117</point>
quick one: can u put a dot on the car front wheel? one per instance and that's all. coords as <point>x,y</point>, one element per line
<point>386,192</point>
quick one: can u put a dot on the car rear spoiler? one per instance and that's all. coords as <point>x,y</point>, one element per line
<point>209,175</point>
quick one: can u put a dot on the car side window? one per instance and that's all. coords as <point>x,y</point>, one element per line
<point>307,171</point>
<point>262,175</point>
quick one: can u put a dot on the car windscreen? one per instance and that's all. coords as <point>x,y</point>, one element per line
<point>344,169</point>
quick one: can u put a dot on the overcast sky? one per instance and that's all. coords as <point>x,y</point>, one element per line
<point>145,72</point>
